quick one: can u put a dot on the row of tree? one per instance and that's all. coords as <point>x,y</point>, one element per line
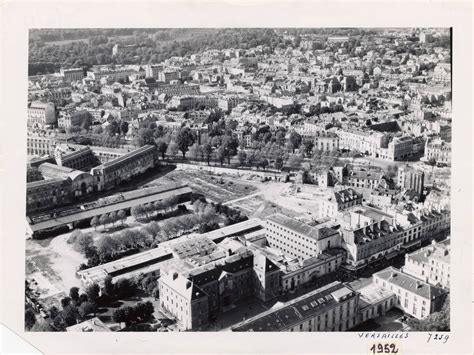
<point>149,209</point>
<point>108,218</point>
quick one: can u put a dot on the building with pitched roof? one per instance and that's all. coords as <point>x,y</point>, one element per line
<point>46,194</point>
<point>184,300</point>
<point>369,235</point>
<point>339,201</point>
<point>438,150</point>
<point>81,158</point>
<point>112,173</point>
<point>219,284</point>
<point>82,183</point>
<point>414,296</point>
<point>333,307</point>
<point>430,264</point>
<point>57,192</point>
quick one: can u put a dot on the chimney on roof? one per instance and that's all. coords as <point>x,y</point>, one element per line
<point>175,275</point>
<point>433,242</point>
<point>418,284</point>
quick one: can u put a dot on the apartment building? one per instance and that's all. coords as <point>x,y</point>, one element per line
<point>438,150</point>
<point>410,179</point>
<point>364,179</point>
<point>414,296</point>
<point>118,74</point>
<point>72,74</point>
<point>339,201</point>
<point>183,103</point>
<point>37,145</point>
<point>325,141</point>
<point>41,114</point>
<point>368,235</point>
<point>400,148</point>
<point>430,264</point>
<point>363,141</point>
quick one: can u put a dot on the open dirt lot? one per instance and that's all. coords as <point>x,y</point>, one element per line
<point>215,188</point>
<point>249,194</point>
<point>52,264</point>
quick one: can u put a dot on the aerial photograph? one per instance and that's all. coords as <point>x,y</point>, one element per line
<point>238,180</point>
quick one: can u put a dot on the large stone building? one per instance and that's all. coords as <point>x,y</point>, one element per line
<point>400,148</point>
<point>80,159</point>
<point>325,141</point>
<point>333,307</point>
<point>41,114</point>
<point>297,239</point>
<point>295,273</point>
<point>197,296</point>
<point>368,235</point>
<point>112,173</point>
<point>414,296</point>
<point>430,264</point>
<point>117,74</point>
<point>37,145</point>
<point>81,183</point>
<point>47,194</point>
<point>364,179</point>
<point>339,201</point>
<point>439,151</point>
<point>364,141</point>
<point>72,74</point>
<point>410,179</point>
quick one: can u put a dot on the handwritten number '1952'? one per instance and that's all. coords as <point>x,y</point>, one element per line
<point>384,348</point>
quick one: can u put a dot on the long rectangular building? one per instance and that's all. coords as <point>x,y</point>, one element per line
<point>298,239</point>
<point>152,260</point>
<point>124,201</point>
<point>112,173</point>
<point>333,307</point>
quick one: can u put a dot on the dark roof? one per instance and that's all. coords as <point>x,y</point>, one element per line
<point>34,184</point>
<point>295,311</point>
<point>231,264</point>
<point>72,155</point>
<point>346,195</point>
<point>126,157</point>
<point>75,213</point>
